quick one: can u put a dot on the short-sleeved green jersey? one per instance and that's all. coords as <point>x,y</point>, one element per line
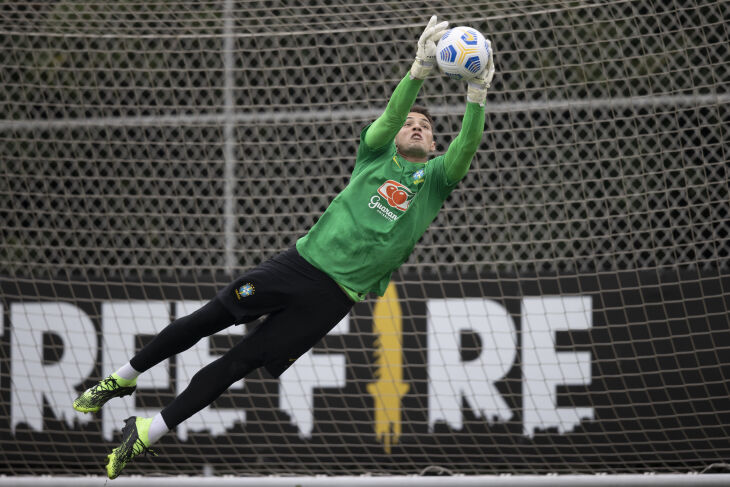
<point>371,227</point>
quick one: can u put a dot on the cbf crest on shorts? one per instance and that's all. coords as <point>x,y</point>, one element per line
<point>244,291</point>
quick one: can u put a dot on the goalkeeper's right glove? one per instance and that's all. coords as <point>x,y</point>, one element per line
<point>477,90</point>
<point>426,53</point>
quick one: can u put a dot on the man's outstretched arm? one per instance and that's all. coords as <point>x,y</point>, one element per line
<point>463,148</point>
<point>387,125</point>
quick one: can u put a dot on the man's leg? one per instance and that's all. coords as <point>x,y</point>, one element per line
<point>214,379</point>
<point>182,334</point>
<point>204,388</point>
<point>302,304</point>
<point>176,337</point>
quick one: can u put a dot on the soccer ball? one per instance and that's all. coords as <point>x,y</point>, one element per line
<point>462,53</point>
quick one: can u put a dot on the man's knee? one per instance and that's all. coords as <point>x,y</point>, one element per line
<point>245,357</point>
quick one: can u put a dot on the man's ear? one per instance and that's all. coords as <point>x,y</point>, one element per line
<point>433,145</point>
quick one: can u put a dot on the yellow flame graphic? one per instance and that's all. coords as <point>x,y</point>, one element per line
<point>389,388</point>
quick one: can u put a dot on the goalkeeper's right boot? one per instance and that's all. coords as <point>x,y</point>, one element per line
<point>93,398</point>
<point>135,440</point>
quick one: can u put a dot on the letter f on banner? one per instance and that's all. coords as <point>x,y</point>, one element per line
<point>389,388</point>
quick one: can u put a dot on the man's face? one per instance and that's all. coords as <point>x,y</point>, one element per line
<point>415,139</point>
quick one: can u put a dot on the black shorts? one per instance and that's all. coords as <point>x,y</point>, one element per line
<point>302,303</point>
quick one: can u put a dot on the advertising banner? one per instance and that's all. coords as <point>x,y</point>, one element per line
<point>617,372</point>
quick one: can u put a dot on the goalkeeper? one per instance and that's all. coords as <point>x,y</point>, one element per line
<point>365,234</point>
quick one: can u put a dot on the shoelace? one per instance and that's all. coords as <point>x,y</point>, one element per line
<point>107,385</point>
<point>144,449</point>
<point>138,448</point>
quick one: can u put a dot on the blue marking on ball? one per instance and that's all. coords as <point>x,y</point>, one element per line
<point>448,54</point>
<point>470,38</point>
<point>473,65</point>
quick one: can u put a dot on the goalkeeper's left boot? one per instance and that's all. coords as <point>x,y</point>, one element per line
<point>135,440</point>
<point>93,398</point>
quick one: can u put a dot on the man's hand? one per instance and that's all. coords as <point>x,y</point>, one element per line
<point>477,90</point>
<point>426,53</point>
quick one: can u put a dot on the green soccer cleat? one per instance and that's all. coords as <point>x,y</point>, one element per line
<point>135,440</point>
<point>93,398</point>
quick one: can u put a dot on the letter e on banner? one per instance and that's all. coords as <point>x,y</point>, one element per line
<point>544,368</point>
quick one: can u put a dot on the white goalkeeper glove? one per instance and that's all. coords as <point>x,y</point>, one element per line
<point>477,90</point>
<point>426,53</point>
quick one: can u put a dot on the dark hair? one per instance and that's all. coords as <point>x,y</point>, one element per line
<point>423,111</point>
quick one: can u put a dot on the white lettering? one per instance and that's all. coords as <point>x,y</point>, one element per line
<point>450,378</point>
<point>544,368</point>
<point>38,382</point>
<point>297,383</point>
<point>382,209</point>
<point>35,382</point>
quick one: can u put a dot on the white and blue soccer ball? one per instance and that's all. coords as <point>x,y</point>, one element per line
<point>462,53</point>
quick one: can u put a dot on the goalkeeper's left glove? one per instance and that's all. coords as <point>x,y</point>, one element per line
<point>426,53</point>
<point>477,90</point>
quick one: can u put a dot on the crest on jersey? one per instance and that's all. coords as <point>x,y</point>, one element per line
<point>419,176</point>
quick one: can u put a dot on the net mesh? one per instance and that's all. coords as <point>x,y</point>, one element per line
<point>150,150</point>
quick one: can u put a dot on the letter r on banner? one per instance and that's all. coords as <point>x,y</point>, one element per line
<point>451,379</point>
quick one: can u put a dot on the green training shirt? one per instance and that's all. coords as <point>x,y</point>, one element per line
<point>371,227</point>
